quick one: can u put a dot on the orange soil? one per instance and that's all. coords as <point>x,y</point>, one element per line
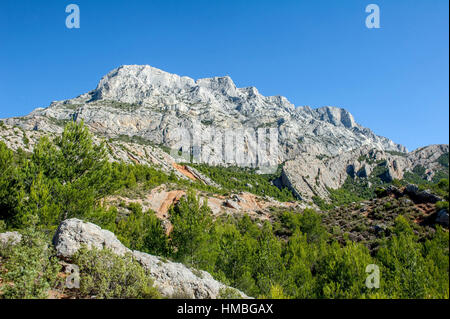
<point>182,169</point>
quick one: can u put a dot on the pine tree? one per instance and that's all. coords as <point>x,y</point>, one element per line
<point>192,224</point>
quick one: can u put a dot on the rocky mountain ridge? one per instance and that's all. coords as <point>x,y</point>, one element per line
<point>148,102</point>
<point>137,108</point>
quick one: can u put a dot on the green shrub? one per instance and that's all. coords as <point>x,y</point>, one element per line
<point>30,268</point>
<point>229,293</point>
<point>104,274</point>
<point>246,179</point>
<point>442,205</point>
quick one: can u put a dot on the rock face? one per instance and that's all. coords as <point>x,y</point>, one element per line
<point>149,103</point>
<point>73,233</point>
<point>310,175</point>
<point>172,279</point>
<point>421,196</point>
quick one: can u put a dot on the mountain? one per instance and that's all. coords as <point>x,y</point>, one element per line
<point>317,148</point>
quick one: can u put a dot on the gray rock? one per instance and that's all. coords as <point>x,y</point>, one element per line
<point>421,196</point>
<point>202,177</point>
<point>232,204</point>
<point>442,217</point>
<point>411,189</point>
<point>150,103</point>
<point>172,279</point>
<point>391,189</point>
<point>73,233</point>
<point>176,280</point>
<point>238,199</point>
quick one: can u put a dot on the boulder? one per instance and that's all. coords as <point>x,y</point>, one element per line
<point>391,189</point>
<point>411,189</point>
<point>421,196</point>
<point>442,217</point>
<point>176,280</point>
<point>73,233</point>
<point>232,204</point>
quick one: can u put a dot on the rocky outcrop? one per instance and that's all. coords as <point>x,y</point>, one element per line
<point>423,196</point>
<point>231,204</point>
<point>309,175</point>
<point>205,179</point>
<point>73,233</point>
<point>172,279</point>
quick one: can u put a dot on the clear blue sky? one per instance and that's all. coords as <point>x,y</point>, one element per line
<point>394,80</point>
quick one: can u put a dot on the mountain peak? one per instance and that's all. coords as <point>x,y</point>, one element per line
<point>133,83</point>
<point>161,101</point>
<point>336,116</point>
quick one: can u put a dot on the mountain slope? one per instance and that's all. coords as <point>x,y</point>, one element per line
<point>138,109</point>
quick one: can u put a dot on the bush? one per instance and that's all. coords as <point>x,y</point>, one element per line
<point>229,293</point>
<point>104,274</point>
<point>30,268</point>
<point>442,205</point>
<point>246,179</point>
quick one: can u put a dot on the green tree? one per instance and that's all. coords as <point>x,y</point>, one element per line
<point>39,204</point>
<point>78,168</point>
<point>10,184</point>
<point>404,269</point>
<point>300,258</point>
<point>268,263</point>
<point>106,275</point>
<point>192,225</point>
<point>311,225</point>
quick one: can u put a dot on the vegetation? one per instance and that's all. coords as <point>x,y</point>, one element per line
<point>235,178</point>
<point>104,274</point>
<point>443,160</point>
<point>128,107</point>
<point>297,255</point>
<point>29,268</point>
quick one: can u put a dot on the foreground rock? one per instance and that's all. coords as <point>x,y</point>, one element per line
<point>172,279</point>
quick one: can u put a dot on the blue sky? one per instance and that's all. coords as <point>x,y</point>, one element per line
<point>394,80</point>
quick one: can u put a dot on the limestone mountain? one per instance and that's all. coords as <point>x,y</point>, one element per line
<point>318,148</point>
<point>148,102</point>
